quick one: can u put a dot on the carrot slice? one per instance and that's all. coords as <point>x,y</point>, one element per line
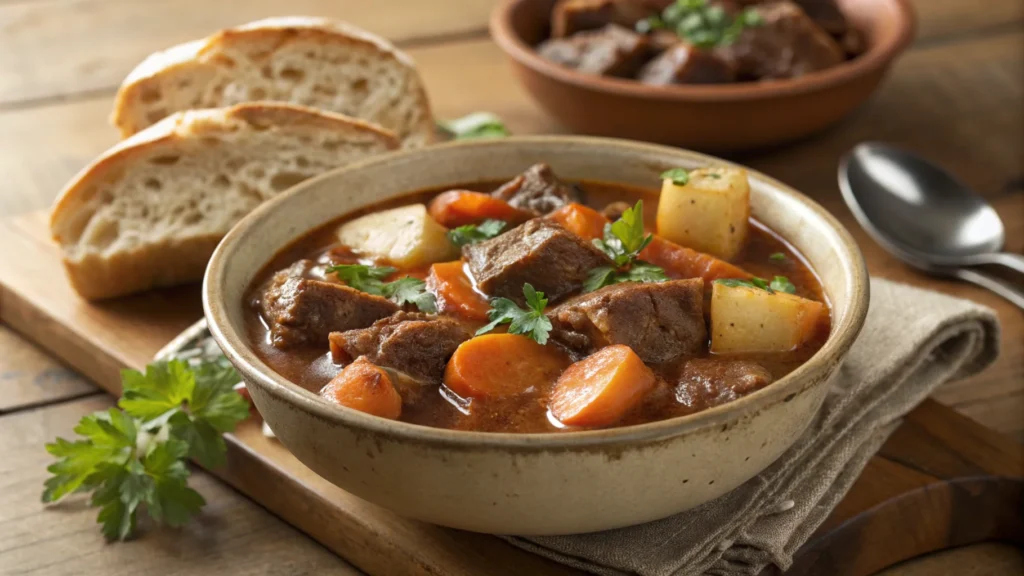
<point>681,262</point>
<point>460,207</point>
<point>581,220</point>
<point>364,386</point>
<point>601,388</point>
<point>502,365</point>
<point>448,282</point>
<point>678,261</point>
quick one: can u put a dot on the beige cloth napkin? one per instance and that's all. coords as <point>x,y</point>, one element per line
<point>913,341</point>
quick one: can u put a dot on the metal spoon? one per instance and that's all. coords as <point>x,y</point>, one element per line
<point>926,217</point>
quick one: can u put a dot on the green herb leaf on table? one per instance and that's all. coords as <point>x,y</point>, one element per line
<point>473,233</point>
<point>476,125</point>
<point>623,241</point>
<point>777,256</point>
<point>531,323</point>
<point>678,176</point>
<point>411,290</point>
<point>133,458</point>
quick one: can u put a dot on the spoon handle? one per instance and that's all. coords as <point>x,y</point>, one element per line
<point>1007,259</point>
<point>1014,295</point>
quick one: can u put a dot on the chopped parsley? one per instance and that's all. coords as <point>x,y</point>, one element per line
<point>411,290</point>
<point>703,25</point>
<point>473,233</point>
<point>531,323</point>
<point>476,125</point>
<point>777,256</point>
<point>778,284</point>
<point>623,241</point>
<point>678,176</point>
<point>370,279</point>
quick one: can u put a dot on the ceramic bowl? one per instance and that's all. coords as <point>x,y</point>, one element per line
<point>531,483</point>
<point>716,118</point>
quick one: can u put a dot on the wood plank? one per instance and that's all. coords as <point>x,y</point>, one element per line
<point>52,48</point>
<point>48,49</point>
<point>994,559</point>
<point>232,536</point>
<point>30,377</point>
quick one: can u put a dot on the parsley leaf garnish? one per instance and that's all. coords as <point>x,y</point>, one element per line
<point>778,284</point>
<point>678,176</point>
<point>473,233</point>
<point>370,279</point>
<point>702,25</point>
<point>476,125</point>
<point>133,458</point>
<point>531,323</point>
<point>777,256</point>
<point>412,291</point>
<point>623,241</point>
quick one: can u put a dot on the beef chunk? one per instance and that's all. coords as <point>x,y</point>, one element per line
<point>610,51</point>
<point>786,45</point>
<point>571,16</point>
<point>685,64</point>
<point>660,322</point>
<point>537,189</point>
<point>709,382</point>
<point>418,345</point>
<point>302,311</point>
<point>826,13</point>
<point>543,253</point>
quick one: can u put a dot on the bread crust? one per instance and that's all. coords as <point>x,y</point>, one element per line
<point>97,276</point>
<point>278,31</point>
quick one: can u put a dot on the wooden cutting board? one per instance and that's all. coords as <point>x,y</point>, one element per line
<point>940,481</point>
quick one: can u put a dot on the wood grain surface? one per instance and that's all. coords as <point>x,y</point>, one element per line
<point>957,96</point>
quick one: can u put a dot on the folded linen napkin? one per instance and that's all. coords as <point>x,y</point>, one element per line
<point>913,341</point>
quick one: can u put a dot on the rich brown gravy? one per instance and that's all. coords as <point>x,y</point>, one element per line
<point>312,367</point>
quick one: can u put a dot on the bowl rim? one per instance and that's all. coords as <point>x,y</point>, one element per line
<point>877,56</point>
<point>239,352</point>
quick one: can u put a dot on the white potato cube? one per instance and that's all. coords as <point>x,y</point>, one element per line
<point>406,237</point>
<point>745,319</point>
<point>709,213</point>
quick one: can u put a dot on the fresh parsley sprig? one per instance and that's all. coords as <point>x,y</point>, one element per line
<point>531,323</point>
<point>623,241</point>
<point>370,279</point>
<point>678,176</point>
<point>476,125</point>
<point>780,256</point>
<point>134,458</point>
<point>777,284</point>
<point>473,233</point>
<point>703,25</point>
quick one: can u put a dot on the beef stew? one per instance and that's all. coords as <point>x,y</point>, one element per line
<point>585,315</point>
<point>663,42</point>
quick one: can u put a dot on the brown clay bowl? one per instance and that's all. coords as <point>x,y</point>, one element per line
<point>726,117</point>
<point>532,483</point>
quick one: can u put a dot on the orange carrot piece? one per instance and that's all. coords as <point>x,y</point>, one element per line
<point>460,207</point>
<point>448,282</point>
<point>601,388</point>
<point>682,262</point>
<point>502,365</point>
<point>581,220</point>
<point>678,261</point>
<point>364,386</point>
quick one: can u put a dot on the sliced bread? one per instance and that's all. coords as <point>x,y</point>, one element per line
<point>309,61</point>
<point>150,211</point>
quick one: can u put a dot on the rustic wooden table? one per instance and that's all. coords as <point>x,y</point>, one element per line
<point>957,97</point>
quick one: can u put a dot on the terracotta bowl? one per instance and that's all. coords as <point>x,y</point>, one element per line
<point>725,117</point>
<point>531,483</point>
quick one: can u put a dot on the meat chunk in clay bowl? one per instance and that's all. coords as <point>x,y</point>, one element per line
<point>549,328</point>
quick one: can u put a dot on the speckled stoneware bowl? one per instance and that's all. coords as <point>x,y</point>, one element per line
<point>532,483</point>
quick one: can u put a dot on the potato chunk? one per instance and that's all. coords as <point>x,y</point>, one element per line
<point>406,237</point>
<point>745,319</point>
<point>709,213</point>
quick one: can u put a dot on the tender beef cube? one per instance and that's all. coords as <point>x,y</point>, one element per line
<point>302,311</point>
<point>685,64</point>
<point>571,16</point>
<point>610,51</point>
<point>417,345</point>
<point>708,382</point>
<point>853,42</point>
<point>826,13</point>
<point>659,321</point>
<point>537,189</point>
<point>543,253</point>
<point>788,44</point>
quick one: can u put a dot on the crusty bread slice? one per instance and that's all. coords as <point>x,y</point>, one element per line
<point>150,211</point>
<point>313,62</point>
